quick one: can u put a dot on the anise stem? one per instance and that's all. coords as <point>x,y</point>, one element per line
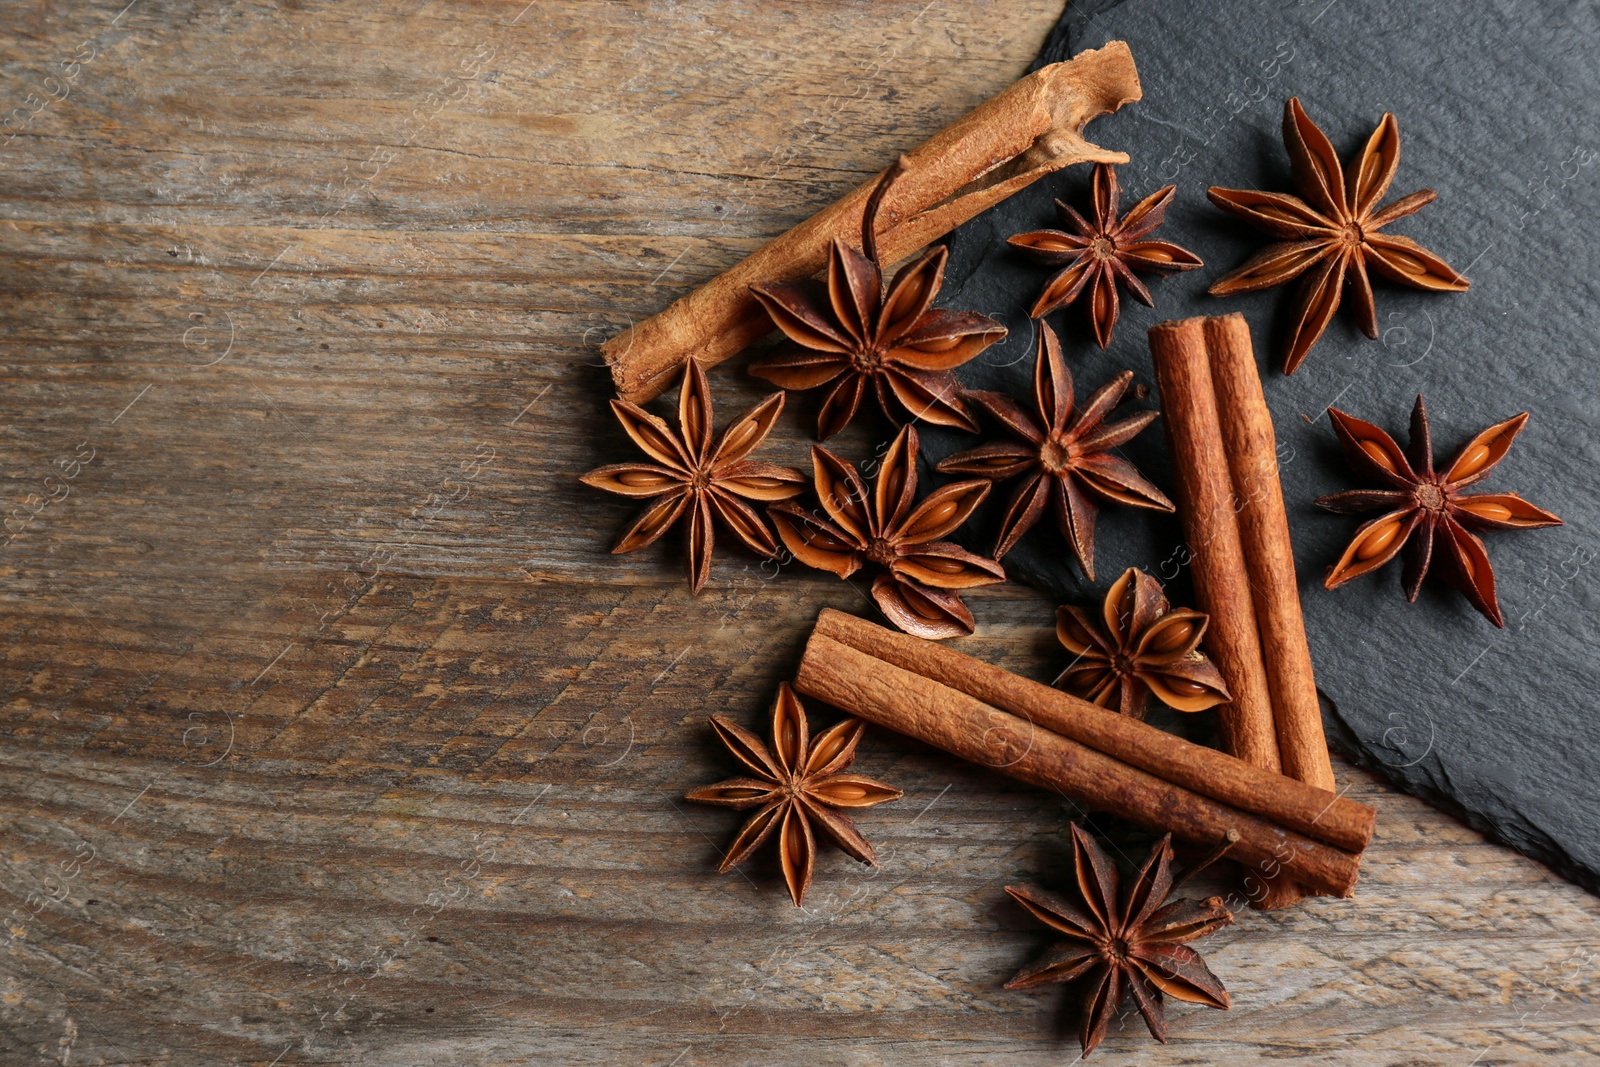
<point>1229,839</point>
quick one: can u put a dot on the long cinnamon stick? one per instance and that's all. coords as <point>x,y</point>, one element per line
<point>961,724</point>
<point>1264,528</point>
<point>1205,504</point>
<point>1205,771</point>
<point>1033,128</point>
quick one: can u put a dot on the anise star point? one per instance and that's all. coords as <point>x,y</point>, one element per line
<point>852,332</point>
<point>1139,646</point>
<point>708,479</point>
<point>1131,943</point>
<point>1064,455</point>
<point>1329,234</point>
<point>1097,255</point>
<point>795,782</point>
<point>921,576</point>
<point>1426,514</point>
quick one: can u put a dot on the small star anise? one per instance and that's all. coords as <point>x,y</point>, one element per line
<point>1066,458</point>
<point>1331,236</point>
<point>1141,645</point>
<point>850,330</point>
<point>1125,944</point>
<point>690,475</point>
<point>1097,255</point>
<point>796,783</point>
<point>1427,512</point>
<point>889,528</point>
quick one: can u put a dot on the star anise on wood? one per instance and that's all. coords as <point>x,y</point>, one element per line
<point>1330,234</point>
<point>1140,645</point>
<point>921,574</point>
<point>1063,455</point>
<point>1425,512</point>
<point>796,783</point>
<point>1125,943</point>
<point>1095,256</point>
<point>691,475</point>
<point>850,332</point>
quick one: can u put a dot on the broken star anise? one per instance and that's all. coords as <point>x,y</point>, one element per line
<point>1065,455</point>
<point>850,332</point>
<point>1426,512</point>
<point>1131,943</point>
<point>689,474</point>
<point>1095,256</point>
<point>797,782</point>
<point>917,589</point>
<point>1140,645</point>
<point>1330,232</point>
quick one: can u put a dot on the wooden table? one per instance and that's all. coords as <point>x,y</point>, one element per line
<point>332,733</point>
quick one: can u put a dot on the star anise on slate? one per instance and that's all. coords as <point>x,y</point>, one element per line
<point>1064,455</point>
<point>797,782</point>
<point>1130,943</point>
<point>850,332</point>
<point>917,589</point>
<point>1330,232</point>
<point>1427,512</point>
<point>1095,256</point>
<point>1140,645</point>
<point>690,475</point>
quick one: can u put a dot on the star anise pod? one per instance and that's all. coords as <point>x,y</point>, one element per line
<point>690,475</point>
<point>1132,943</point>
<point>1330,232</point>
<point>849,331</point>
<point>1140,645</point>
<point>1427,512</point>
<point>1064,455</point>
<point>1095,256</point>
<point>796,783</point>
<point>889,528</point>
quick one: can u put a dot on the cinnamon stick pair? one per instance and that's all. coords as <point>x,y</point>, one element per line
<point>1049,738</point>
<point>1224,456</point>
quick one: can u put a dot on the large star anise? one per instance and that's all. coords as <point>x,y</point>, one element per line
<point>1066,457</point>
<point>1140,645</point>
<point>1427,512</point>
<point>1331,236</point>
<point>1132,943</point>
<point>889,528</point>
<point>850,330</point>
<point>1097,255</point>
<point>796,782</point>
<point>691,475</point>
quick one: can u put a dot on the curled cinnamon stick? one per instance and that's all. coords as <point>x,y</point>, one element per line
<point>1033,128</point>
<point>1211,527</point>
<point>940,715</point>
<point>1264,530</point>
<point>1292,804</point>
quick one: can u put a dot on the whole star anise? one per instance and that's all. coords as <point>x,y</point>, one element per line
<point>1426,512</point>
<point>1331,235</point>
<point>1064,456</point>
<point>889,528</point>
<point>689,475</point>
<point>1140,645</point>
<point>1132,943</point>
<point>796,782</point>
<point>1096,255</point>
<point>849,331</point>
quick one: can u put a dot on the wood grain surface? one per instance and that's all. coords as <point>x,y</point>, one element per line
<point>329,730</point>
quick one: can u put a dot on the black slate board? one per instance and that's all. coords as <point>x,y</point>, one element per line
<point>1497,105</point>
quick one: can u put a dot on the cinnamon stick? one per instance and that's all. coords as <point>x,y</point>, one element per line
<point>1205,505</point>
<point>940,715</point>
<point>1033,128</point>
<point>1264,528</point>
<point>1314,812</point>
